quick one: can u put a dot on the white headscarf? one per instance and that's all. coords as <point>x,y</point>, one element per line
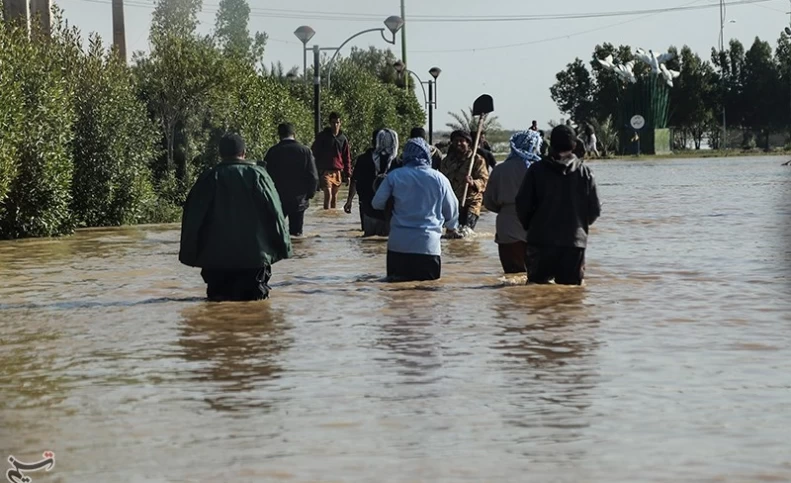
<point>386,148</point>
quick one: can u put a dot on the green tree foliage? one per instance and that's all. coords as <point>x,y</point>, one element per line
<point>233,35</point>
<point>39,189</point>
<point>692,98</point>
<point>378,62</point>
<point>747,84</point>
<point>86,140</point>
<point>573,92</point>
<point>114,141</point>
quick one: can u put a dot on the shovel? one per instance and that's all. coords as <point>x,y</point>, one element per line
<point>482,106</point>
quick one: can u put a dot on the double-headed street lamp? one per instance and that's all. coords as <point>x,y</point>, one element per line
<point>431,99</point>
<point>305,33</point>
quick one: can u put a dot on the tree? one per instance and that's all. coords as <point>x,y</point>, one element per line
<point>761,90</point>
<point>465,121</point>
<point>114,141</point>
<point>783,60</point>
<point>378,62</point>
<point>692,98</point>
<point>573,91</point>
<point>232,33</point>
<point>175,17</point>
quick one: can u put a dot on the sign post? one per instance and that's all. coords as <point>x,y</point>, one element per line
<point>637,122</point>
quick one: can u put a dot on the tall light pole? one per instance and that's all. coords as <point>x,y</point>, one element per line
<point>430,99</point>
<point>403,39</point>
<point>306,33</point>
<point>393,24</point>
<point>724,142</point>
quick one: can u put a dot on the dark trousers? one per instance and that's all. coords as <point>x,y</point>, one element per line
<point>296,221</point>
<point>362,218</point>
<point>566,265</point>
<point>237,285</point>
<point>405,267</point>
<point>467,219</point>
<point>512,256</point>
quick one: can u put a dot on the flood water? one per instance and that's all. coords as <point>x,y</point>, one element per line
<point>673,363</point>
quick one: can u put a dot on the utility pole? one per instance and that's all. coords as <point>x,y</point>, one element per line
<point>119,29</point>
<point>403,43</point>
<point>40,10</point>
<point>724,143</point>
<point>17,11</point>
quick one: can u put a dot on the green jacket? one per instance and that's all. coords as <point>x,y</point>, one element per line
<point>233,220</point>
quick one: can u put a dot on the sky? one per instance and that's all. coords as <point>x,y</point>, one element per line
<point>513,61</point>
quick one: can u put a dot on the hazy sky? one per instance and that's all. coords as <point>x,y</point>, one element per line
<point>475,57</point>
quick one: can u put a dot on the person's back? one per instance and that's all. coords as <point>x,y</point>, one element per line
<point>291,166</point>
<point>556,204</point>
<point>233,227</point>
<point>500,197</point>
<point>423,202</point>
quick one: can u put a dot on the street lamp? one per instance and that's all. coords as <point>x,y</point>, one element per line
<point>305,34</point>
<point>393,24</point>
<point>430,99</point>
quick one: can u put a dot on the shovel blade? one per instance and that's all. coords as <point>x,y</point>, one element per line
<point>483,105</point>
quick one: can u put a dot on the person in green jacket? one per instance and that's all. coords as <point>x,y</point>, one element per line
<point>233,227</point>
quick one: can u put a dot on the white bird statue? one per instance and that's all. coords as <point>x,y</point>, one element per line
<point>669,74</point>
<point>607,62</point>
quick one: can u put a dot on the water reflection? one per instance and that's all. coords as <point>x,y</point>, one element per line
<point>407,333</point>
<point>236,349</point>
<point>549,342</point>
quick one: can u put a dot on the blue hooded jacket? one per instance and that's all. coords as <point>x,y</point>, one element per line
<point>424,202</point>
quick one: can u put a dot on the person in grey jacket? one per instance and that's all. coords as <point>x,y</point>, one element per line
<point>500,198</point>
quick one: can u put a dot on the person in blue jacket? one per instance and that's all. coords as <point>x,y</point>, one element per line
<point>423,202</point>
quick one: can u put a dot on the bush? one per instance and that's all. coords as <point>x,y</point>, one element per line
<point>39,195</point>
<point>114,141</point>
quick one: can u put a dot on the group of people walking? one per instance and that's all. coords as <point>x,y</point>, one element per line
<point>234,222</point>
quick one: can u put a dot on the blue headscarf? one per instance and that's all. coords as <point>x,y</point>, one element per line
<point>526,145</point>
<point>416,153</point>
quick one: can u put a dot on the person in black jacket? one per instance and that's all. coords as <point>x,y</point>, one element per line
<point>556,204</point>
<point>291,166</point>
<point>485,150</point>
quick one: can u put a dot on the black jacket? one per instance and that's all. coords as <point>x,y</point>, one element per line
<point>364,176</point>
<point>292,168</point>
<point>487,154</point>
<point>557,203</point>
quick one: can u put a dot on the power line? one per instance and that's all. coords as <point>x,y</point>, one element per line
<point>551,39</point>
<point>358,17</point>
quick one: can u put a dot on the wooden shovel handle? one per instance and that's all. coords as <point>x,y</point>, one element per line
<point>474,155</point>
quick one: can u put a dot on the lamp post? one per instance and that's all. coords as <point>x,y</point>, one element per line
<point>393,24</point>
<point>305,33</point>
<point>431,98</point>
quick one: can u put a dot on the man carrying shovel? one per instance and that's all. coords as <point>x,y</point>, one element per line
<point>466,169</point>
<point>468,186</point>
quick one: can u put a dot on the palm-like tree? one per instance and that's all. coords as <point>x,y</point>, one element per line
<point>465,121</point>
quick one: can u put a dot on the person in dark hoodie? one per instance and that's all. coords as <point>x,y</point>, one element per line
<point>233,226</point>
<point>333,160</point>
<point>368,173</point>
<point>556,205</point>
<point>293,170</point>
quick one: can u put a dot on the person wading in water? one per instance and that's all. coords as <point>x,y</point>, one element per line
<point>233,226</point>
<point>423,202</point>
<point>556,205</point>
<point>333,160</point>
<point>504,184</point>
<point>370,169</point>
<point>291,166</point>
<point>456,166</point>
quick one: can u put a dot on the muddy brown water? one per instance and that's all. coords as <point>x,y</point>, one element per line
<point>673,363</point>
